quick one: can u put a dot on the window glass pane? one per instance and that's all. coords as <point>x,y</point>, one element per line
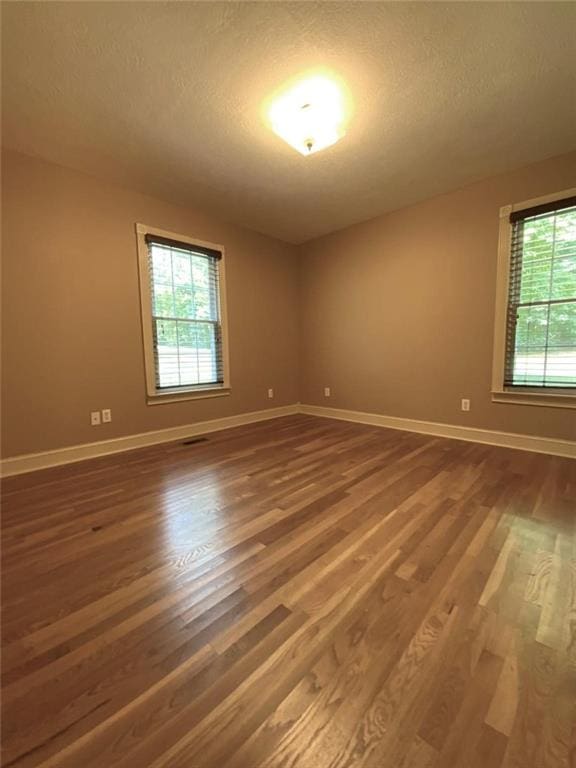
<point>197,353</point>
<point>186,334</point>
<point>535,279</point>
<point>561,357</point>
<point>537,251</point>
<point>206,334</point>
<point>544,351</point>
<point>531,330</point>
<point>163,300</point>
<point>546,345</point>
<point>185,317</point>
<point>566,229</point>
<point>529,365</point>
<point>564,280</point>
<point>167,366</point>
<point>538,239</point>
<point>166,333</point>
<point>202,305</point>
<point>183,302</point>
<point>203,289</point>
<point>189,372</point>
<point>200,271</point>
<point>531,327</point>
<point>162,265</point>
<point>564,277</point>
<point>182,271</point>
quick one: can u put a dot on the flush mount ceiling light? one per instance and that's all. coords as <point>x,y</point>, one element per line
<point>310,115</point>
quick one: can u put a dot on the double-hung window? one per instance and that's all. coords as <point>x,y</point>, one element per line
<point>535,342</point>
<point>183,315</point>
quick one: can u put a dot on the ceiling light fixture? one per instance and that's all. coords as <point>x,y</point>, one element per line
<point>309,115</point>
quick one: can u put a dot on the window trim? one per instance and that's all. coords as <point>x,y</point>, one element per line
<point>557,398</point>
<point>154,395</point>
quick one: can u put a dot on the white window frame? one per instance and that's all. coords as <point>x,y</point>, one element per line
<point>557,398</point>
<point>156,396</point>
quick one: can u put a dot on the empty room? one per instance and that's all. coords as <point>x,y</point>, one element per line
<point>288,382</point>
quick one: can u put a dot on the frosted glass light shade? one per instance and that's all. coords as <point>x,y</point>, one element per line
<point>310,115</point>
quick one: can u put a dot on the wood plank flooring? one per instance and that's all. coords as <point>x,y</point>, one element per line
<point>300,593</point>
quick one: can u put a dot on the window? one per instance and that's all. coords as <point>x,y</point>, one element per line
<point>182,290</point>
<point>535,349</point>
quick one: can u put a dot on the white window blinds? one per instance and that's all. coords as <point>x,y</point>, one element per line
<point>186,323</point>
<point>541,318</point>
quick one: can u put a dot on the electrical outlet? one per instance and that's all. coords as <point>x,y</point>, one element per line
<point>106,415</point>
<point>326,391</point>
<point>465,405</point>
<point>270,393</point>
<point>95,418</point>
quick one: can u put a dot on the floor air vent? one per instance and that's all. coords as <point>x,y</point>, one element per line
<point>193,440</point>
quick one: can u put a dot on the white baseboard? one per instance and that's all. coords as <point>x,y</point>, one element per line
<point>30,462</point>
<point>471,434</point>
<point>33,461</point>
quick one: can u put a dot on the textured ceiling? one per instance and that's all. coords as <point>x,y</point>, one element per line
<point>167,98</point>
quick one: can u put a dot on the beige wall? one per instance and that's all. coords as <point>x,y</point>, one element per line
<point>398,312</point>
<point>395,314</point>
<point>72,338</point>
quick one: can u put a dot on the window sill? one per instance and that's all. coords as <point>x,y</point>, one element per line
<point>177,396</point>
<point>543,399</point>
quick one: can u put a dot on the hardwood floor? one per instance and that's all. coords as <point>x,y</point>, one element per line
<point>298,593</point>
